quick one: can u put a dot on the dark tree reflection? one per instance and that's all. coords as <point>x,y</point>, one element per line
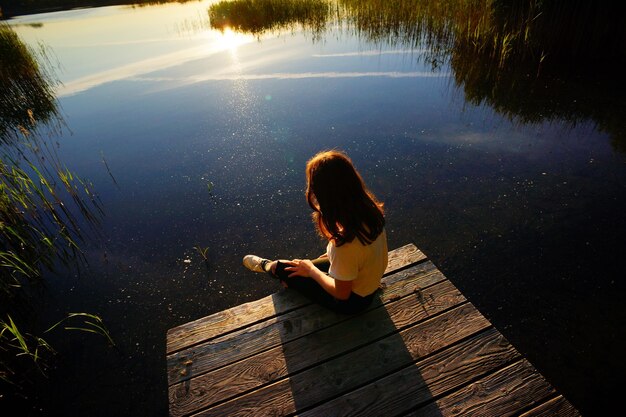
<point>26,90</point>
<point>530,60</point>
<point>259,16</point>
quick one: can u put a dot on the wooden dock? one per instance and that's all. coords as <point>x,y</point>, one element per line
<point>421,349</point>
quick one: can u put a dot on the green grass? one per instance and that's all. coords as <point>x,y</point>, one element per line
<point>16,345</point>
<point>46,211</point>
<point>91,324</point>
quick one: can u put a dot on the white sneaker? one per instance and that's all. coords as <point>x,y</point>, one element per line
<point>254,263</point>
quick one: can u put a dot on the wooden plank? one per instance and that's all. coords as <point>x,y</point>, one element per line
<point>402,257</point>
<point>557,406</point>
<point>276,363</point>
<point>273,332</point>
<point>212,326</point>
<point>330,379</point>
<point>206,328</point>
<point>420,349</point>
<point>502,393</point>
<point>417,384</point>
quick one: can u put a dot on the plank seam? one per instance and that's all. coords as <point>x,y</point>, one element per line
<point>338,355</point>
<point>384,304</point>
<point>305,304</point>
<point>444,394</point>
<point>409,265</point>
<point>399,369</point>
<point>540,402</point>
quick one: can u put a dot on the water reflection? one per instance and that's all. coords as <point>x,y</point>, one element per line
<point>45,211</point>
<point>530,61</point>
<point>26,89</point>
<point>492,202</point>
<point>260,16</point>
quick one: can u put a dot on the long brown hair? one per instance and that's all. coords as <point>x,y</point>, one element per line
<point>343,207</point>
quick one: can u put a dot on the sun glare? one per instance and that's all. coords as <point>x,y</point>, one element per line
<point>229,39</point>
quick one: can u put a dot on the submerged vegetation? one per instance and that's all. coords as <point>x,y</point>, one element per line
<point>45,210</point>
<point>531,60</point>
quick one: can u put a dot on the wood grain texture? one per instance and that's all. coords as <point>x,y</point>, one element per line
<point>258,370</point>
<point>345,373</point>
<point>262,336</point>
<point>416,384</point>
<point>557,406</point>
<point>402,257</point>
<point>248,406</point>
<point>502,393</point>
<point>206,328</point>
<point>421,349</point>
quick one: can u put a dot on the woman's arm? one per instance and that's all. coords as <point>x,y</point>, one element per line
<point>303,267</point>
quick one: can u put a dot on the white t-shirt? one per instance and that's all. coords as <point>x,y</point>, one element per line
<point>364,265</point>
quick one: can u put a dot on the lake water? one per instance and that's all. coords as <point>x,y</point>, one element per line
<point>206,134</point>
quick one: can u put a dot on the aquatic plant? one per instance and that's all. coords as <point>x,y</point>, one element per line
<point>14,344</point>
<point>46,211</point>
<point>20,351</point>
<point>92,324</point>
<point>26,89</point>
<point>261,16</point>
<point>44,207</point>
<point>202,251</point>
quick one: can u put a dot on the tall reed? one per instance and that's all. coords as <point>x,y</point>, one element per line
<point>46,211</point>
<point>261,16</point>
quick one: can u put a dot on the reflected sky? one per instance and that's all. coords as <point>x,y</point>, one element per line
<point>97,46</point>
<point>207,134</point>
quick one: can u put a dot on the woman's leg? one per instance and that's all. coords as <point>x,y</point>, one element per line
<point>313,291</point>
<point>305,285</point>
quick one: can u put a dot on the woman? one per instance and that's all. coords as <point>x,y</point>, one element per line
<point>351,219</point>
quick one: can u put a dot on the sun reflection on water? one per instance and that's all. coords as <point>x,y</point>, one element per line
<point>229,39</point>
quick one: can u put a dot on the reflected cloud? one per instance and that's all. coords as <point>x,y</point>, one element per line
<point>372,53</point>
<point>127,42</point>
<point>295,76</point>
<point>221,43</point>
<point>137,68</point>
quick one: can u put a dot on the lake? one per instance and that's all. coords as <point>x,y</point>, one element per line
<point>195,137</point>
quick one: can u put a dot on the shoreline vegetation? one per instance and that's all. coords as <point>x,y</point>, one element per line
<point>46,212</point>
<point>530,60</point>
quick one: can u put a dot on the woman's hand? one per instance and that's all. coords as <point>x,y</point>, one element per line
<point>305,268</point>
<point>300,267</point>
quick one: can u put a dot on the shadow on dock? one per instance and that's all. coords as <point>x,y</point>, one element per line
<point>362,365</point>
<point>421,349</point>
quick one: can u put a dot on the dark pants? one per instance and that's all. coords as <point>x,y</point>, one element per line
<point>313,291</point>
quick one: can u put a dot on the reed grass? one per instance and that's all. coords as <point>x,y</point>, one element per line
<point>92,324</point>
<point>46,211</point>
<point>26,88</point>
<point>261,16</point>
<point>14,345</point>
<point>202,251</point>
